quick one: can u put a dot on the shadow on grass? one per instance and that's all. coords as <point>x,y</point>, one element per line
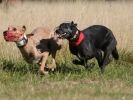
<point>65,68</point>
<point>20,67</point>
<point>24,68</point>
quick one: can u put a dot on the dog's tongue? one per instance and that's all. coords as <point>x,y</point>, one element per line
<point>9,37</point>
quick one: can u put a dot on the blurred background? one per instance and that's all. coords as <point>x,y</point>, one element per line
<point>115,14</point>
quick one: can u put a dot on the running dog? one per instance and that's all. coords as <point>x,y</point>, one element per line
<point>36,46</point>
<point>89,43</point>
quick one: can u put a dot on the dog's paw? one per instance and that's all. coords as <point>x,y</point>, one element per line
<point>76,62</point>
<point>102,69</point>
<point>43,72</point>
<point>90,66</point>
<point>51,67</point>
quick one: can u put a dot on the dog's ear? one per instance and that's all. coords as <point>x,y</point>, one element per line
<point>10,28</point>
<point>73,24</point>
<point>23,28</point>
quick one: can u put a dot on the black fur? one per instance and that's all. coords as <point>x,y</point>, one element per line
<point>97,39</point>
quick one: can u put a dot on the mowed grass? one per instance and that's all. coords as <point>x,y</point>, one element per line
<point>20,81</point>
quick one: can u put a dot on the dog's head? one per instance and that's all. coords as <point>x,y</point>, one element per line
<point>14,34</point>
<point>66,30</point>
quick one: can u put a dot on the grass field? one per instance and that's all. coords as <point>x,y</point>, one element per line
<point>19,80</point>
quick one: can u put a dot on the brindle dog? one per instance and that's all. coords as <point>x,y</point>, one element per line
<point>36,46</point>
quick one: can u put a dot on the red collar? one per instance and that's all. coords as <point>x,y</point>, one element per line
<point>77,41</point>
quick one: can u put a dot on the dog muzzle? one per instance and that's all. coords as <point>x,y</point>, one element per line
<point>8,36</point>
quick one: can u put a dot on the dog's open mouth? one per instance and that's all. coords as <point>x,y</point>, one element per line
<point>59,33</point>
<point>8,36</point>
<point>61,36</point>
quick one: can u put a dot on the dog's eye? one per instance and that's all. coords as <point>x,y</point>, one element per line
<point>14,29</point>
<point>57,31</point>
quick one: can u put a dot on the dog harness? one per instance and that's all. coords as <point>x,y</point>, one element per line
<point>22,42</point>
<point>78,41</point>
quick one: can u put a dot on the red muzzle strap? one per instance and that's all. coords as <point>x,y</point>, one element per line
<point>9,37</point>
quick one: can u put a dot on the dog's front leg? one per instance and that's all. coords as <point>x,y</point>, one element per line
<point>42,69</point>
<point>81,60</point>
<point>88,65</point>
<point>78,62</point>
<point>84,63</point>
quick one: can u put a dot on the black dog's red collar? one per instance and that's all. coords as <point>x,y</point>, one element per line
<point>78,40</point>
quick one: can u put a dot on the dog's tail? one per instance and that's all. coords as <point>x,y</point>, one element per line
<point>115,54</point>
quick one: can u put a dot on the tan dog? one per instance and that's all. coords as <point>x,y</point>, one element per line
<point>36,46</point>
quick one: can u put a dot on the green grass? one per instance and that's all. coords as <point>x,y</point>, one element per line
<point>19,80</point>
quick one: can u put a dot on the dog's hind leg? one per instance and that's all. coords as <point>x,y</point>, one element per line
<point>106,60</point>
<point>107,52</point>
<point>115,54</point>
<point>43,68</point>
<point>99,57</point>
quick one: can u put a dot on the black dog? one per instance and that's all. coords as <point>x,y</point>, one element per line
<point>89,43</point>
